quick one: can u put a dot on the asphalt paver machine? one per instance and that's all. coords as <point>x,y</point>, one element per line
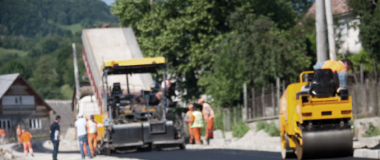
<point>137,119</point>
<point>315,117</point>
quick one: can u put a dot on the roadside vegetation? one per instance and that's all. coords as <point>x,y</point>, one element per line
<point>239,129</point>
<point>36,41</point>
<point>270,128</point>
<point>372,131</point>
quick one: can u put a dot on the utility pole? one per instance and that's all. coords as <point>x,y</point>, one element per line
<point>330,28</point>
<point>321,30</point>
<point>76,77</point>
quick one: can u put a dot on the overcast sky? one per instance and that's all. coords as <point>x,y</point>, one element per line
<point>108,2</point>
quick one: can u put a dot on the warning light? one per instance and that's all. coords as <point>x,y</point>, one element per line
<point>306,114</point>
<point>346,112</point>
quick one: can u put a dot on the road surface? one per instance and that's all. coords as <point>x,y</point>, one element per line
<point>208,154</point>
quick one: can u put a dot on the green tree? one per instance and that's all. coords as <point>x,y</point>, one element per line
<point>63,56</point>
<point>45,79</point>
<point>301,6</point>
<point>7,57</point>
<point>15,67</point>
<point>49,44</point>
<point>39,18</point>
<point>369,12</point>
<point>184,31</point>
<point>255,52</point>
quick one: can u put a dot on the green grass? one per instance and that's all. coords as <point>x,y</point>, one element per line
<point>67,91</point>
<point>20,53</point>
<point>270,128</point>
<point>372,131</point>
<point>73,28</point>
<point>239,129</point>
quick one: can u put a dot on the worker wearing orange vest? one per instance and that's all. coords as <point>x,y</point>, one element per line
<point>26,142</point>
<point>186,118</point>
<point>196,120</point>
<point>92,133</point>
<point>339,67</point>
<point>2,136</point>
<point>208,114</point>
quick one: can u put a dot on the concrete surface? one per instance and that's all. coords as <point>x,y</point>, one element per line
<point>41,153</point>
<point>361,125</point>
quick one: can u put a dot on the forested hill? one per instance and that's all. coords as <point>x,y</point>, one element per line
<point>36,38</point>
<point>41,17</point>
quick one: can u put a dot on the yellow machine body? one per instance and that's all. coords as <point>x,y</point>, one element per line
<point>99,119</point>
<point>293,112</point>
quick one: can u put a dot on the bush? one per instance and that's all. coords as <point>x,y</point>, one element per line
<point>270,128</point>
<point>239,130</point>
<point>372,131</point>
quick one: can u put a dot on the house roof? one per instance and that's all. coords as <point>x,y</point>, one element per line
<point>337,6</point>
<point>6,80</point>
<point>62,108</point>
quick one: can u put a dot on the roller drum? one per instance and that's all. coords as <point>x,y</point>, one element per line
<point>320,144</point>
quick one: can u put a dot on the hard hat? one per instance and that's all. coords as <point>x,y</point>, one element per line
<point>80,115</point>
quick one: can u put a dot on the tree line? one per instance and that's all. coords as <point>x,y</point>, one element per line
<point>35,43</point>
<point>214,47</point>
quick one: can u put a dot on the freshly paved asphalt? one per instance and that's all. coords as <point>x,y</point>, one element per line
<point>209,154</point>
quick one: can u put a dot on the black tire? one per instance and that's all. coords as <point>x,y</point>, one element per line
<point>146,149</point>
<point>182,146</point>
<point>108,151</point>
<point>156,147</point>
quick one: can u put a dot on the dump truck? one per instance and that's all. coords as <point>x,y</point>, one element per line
<point>315,117</point>
<point>123,88</point>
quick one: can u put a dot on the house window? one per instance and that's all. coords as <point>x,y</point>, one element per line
<point>5,124</point>
<point>18,100</point>
<point>35,123</point>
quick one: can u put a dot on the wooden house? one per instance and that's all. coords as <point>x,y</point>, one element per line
<point>21,105</point>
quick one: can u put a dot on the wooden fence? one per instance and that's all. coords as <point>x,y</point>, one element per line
<point>232,116</point>
<point>365,99</point>
<point>263,104</point>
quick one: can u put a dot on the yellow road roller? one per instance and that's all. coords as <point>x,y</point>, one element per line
<point>315,117</point>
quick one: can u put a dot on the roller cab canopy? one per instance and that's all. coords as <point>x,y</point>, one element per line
<point>142,65</point>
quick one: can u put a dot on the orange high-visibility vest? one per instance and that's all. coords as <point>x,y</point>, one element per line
<point>335,66</point>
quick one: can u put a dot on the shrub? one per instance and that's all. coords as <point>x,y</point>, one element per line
<point>239,130</point>
<point>270,128</point>
<point>372,131</point>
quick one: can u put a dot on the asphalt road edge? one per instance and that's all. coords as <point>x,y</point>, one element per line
<point>358,153</point>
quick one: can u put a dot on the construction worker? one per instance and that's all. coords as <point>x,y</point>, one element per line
<point>54,135</point>
<point>340,67</point>
<point>26,142</point>
<point>92,128</point>
<point>186,118</point>
<point>81,133</point>
<point>84,146</point>
<point>208,114</point>
<point>160,93</point>
<point>197,123</point>
<point>18,132</point>
<point>2,136</point>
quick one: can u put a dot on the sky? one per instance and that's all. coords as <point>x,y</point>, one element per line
<point>108,2</point>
